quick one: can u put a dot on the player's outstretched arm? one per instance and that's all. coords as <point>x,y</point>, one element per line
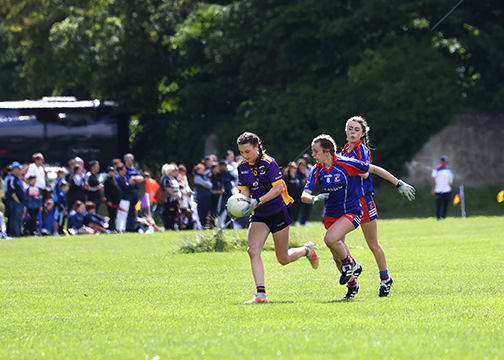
<point>404,189</point>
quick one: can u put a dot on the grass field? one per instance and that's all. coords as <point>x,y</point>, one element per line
<point>135,297</point>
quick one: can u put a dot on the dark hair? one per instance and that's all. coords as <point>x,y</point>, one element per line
<point>76,204</point>
<point>252,139</point>
<point>90,205</point>
<point>92,163</point>
<point>326,142</point>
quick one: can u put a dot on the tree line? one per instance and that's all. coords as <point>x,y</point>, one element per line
<point>287,70</point>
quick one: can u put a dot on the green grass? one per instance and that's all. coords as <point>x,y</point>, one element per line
<point>136,297</point>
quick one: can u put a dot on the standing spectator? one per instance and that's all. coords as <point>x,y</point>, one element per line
<point>93,185</point>
<point>33,203</point>
<point>202,187</point>
<point>77,184</point>
<point>151,186</point>
<point>442,179</point>
<point>135,178</point>
<point>60,176</point>
<point>170,184</point>
<point>16,197</point>
<point>112,194</point>
<point>217,192</point>
<point>228,183</point>
<point>305,208</point>
<point>294,188</point>
<point>232,165</point>
<point>122,179</point>
<point>185,189</point>
<point>61,208</point>
<point>37,169</point>
<point>6,175</point>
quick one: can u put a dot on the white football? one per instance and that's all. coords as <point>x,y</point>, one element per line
<point>236,204</point>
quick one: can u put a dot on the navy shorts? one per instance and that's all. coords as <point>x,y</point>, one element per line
<point>275,222</point>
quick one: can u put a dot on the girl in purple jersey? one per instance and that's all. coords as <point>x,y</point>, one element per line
<point>260,179</point>
<point>357,147</point>
<point>342,203</point>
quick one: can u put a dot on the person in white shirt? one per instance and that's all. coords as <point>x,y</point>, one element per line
<point>442,179</point>
<point>37,169</point>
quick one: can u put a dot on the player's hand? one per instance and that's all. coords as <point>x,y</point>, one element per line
<point>251,207</point>
<point>406,190</point>
<point>319,197</point>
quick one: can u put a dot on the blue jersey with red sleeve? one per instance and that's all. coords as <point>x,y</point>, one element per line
<point>362,153</point>
<point>260,179</point>
<point>337,181</point>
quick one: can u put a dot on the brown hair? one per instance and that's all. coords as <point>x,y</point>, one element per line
<point>252,139</point>
<point>365,129</point>
<point>326,142</point>
<point>196,168</point>
<point>290,165</point>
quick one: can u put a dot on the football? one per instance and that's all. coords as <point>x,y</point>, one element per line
<point>236,204</point>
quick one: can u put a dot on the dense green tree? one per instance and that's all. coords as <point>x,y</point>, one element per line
<point>287,70</point>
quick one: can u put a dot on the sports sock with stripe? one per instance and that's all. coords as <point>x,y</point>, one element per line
<point>384,276</point>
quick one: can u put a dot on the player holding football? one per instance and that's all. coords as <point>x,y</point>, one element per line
<point>357,147</point>
<point>260,179</point>
<point>342,204</point>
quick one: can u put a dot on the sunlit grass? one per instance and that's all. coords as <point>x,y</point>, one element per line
<point>137,297</point>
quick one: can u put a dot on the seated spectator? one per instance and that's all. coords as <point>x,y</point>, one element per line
<point>186,221</point>
<point>76,219</point>
<point>146,225</point>
<point>94,220</point>
<point>33,204</point>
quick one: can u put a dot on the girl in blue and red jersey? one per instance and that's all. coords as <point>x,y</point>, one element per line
<point>260,179</point>
<point>357,147</point>
<point>343,210</point>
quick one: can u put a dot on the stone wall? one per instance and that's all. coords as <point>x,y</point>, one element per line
<point>474,144</point>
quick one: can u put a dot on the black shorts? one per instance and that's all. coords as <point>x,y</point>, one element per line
<point>275,222</point>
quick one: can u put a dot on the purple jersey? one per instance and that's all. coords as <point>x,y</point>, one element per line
<point>260,179</point>
<point>362,153</point>
<point>337,181</point>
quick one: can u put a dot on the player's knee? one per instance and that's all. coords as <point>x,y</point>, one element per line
<point>329,241</point>
<point>252,251</point>
<point>283,260</point>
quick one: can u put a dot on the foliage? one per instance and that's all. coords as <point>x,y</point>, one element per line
<point>228,240</point>
<point>185,69</point>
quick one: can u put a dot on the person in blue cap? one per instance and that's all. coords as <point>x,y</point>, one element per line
<point>16,198</point>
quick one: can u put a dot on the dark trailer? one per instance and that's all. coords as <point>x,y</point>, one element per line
<point>62,128</point>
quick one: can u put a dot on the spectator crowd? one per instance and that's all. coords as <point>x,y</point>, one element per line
<point>40,200</point>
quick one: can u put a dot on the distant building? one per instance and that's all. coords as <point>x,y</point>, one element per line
<point>62,128</point>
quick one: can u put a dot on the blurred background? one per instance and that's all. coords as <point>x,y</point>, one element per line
<point>187,77</point>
